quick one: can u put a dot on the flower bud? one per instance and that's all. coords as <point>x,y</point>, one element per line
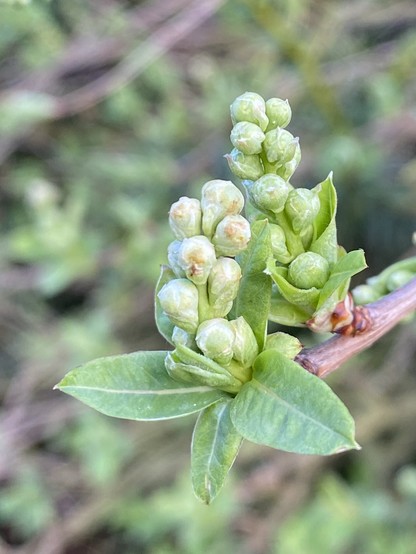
<point>245,348</point>
<point>280,146</point>
<point>251,107</point>
<point>218,199</point>
<point>279,248</point>
<point>244,166</point>
<point>215,338</point>
<point>287,345</point>
<point>288,169</point>
<point>223,283</point>
<point>302,206</point>
<point>179,301</point>
<point>231,236</point>
<point>398,279</point>
<point>270,192</point>
<point>279,113</point>
<point>364,294</point>
<point>196,256</point>
<point>308,270</point>
<point>179,336</point>
<point>185,217</point>
<point>247,137</point>
<point>173,252</point>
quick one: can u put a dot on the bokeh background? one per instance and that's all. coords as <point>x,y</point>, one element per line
<point>109,111</point>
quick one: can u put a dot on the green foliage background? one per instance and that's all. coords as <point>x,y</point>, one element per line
<point>109,111</point>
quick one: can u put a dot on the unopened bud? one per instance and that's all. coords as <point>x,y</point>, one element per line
<point>179,301</point>
<point>223,283</point>
<point>244,166</point>
<point>308,270</point>
<point>218,199</point>
<point>185,217</point>
<point>270,193</point>
<point>245,348</point>
<point>280,146</point>
<point>279,248</point>
<point>173,252</point>
<point>399,278</point>
<point>232,235</point>
<point>286,344</point>
<point>288,169</point>
<point>247,137</point>
<point>251,107</point>
<point>279,113</point>
<point>364,294</point>
<point>180,336</point>
<point>215,338</point>
<point>302,206</point>
<point>196,257</point>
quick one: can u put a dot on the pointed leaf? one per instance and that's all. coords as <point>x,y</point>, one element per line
<point>163,323</point>
<point>285,313</point>
<point>305,299</point>
<point>215,445</point>
<point>325,230</point>
<point>286,407</point>
<point>136,386</point>
<point>253,299</point>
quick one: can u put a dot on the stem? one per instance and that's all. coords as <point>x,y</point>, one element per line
<point>204,308</point>
<point>323,359</point>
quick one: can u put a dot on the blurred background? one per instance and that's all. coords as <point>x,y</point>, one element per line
<point>109,111</point>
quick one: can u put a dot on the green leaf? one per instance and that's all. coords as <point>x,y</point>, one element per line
<point>163,323</point>
<point>136,386</point>
<point>286,407</point>
<point>325,230</point>
<point>305,299</point>
<point>253,299</point>
<point>285,313</point>
<point>215,445</point>
<point>348,265</point>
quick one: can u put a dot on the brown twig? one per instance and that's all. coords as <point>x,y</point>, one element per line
<point>323,359</point>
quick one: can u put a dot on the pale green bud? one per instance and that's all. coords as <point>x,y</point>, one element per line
<point>279,248</point>
<point>279,113</point>
<point>308,270</point>
<point>215,338</point>
<point>364,294</point>
<point>231,236</point>
<point>244,166</point>
<point>302,206</point>
<point>173,252</point>
<point>180,336</point>
<point>218,199</point>
<point>185,217</point>
<point>288,169</point>
<point>398,279</point>
<point>179,301</point>
<point>288,345</point>
<point>196,257</point>
<point>223,283</point>
<point>247,137</point>
<point>245,348</point>
<point>251,107</point>
<point>270,193</point>
<point>280,146</point>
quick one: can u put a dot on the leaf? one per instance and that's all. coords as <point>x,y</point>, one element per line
<point>286,407</point>
<point>285,313</point>
<point>136,386</point>
<point>163,323</point>
<point>305,299</point>
<point>325,230</point>
<point>215,445</point>
<point>348,265</point>
<point>253,298</point>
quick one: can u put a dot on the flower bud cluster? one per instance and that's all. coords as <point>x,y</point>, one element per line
<point>209,233</point>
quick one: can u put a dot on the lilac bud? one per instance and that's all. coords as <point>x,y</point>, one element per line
<point>280,146</point>
<point>247,137</point>
<point>302,206</point>
<point>223,284</point>
<point>308,270</point>
<point>245,348</point>
<point>232,235</point>
<point>279,113</point>
<point>244,166</point>
<point>218,199</point>
<point>185,217</point>
<point>173,252</point>
<point>196,256</point>
<point>179,301</point>
<point>279,248</point>
<point>251,107</point>
<point>215,338</point>
<point>270,192</point>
